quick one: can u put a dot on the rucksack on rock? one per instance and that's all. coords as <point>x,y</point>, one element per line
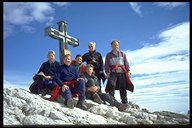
<point>37,85</point>
<point>34,88</point>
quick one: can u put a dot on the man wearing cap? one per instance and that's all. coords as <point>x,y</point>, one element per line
<point>95,58</point>
<point>47,72</point>
<point>117,70</point>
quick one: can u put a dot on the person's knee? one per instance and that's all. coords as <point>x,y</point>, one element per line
<point>66,94</point>
<point>88,95</point>
<point>81,84</point>
<point>90,83</point>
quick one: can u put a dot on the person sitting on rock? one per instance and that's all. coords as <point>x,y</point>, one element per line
<point>44,79</point>
<point>68,80</point>
<point>93,93</point>
<point>78,64</point>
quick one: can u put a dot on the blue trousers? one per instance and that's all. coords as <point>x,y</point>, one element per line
<point>79,87</point>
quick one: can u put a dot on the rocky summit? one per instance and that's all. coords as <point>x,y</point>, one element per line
<point>23,108</point>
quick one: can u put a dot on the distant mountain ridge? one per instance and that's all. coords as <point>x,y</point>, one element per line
<point>23,108</point>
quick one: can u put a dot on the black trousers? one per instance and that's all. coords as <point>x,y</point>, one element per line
<point>117,81</point>
<point>110,99</point>
<point>97,74</point>
<point>104,97</point>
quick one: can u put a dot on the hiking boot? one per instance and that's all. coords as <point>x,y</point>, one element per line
<point>60,99</point>
<point>122,107</point>
<point>124,101</point>
<point>97,99</point>
<point>70,104</point>
<point>81,105</point>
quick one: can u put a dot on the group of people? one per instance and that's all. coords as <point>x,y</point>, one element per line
<point>74,79</point>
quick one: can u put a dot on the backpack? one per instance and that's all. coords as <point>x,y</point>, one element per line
<point>37,85</point>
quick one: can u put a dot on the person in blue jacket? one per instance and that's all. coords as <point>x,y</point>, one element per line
<point>70,82</point>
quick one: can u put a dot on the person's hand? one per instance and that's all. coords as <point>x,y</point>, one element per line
<point>64,88</point>
<point>48,77</point>
<point>129,74</point>
<point>79,78</point>
<point>41,73</point>
<point>93,61</point>
<point>93,89</point>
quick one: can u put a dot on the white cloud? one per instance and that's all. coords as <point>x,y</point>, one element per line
<point>18,14</point>
<point>171,54</point>
<point>170,5</point>
<point>26,13</point>
<point>160,72</point>
<point>60,4</point>
<point>135,6</point>
<point>42,11</point>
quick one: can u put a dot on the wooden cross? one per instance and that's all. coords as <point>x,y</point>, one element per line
<point>63,38</point>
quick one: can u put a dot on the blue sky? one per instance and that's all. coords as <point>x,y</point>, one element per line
<point>154,36</point>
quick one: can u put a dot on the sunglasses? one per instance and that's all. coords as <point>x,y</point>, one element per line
<point>90,46</point>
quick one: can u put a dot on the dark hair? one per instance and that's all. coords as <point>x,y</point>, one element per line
<point>114,41</point>
<point>78,55</point>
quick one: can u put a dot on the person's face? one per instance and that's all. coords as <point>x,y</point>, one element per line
<point>79,60</point>
<point>91,48</point>
<point>89,70</point>
<point>67,60</point>
<point>51,57</point>
<point>115,45</point>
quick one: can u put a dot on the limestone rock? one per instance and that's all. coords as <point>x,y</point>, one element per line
<point>23,108</point>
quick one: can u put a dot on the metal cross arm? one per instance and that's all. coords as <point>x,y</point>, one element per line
<point>62,37</point>
<point>54,33</point>
<point>72,41</point>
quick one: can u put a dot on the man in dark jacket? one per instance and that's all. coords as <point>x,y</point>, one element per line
<point>95,58</point>
<point>45,77</point>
